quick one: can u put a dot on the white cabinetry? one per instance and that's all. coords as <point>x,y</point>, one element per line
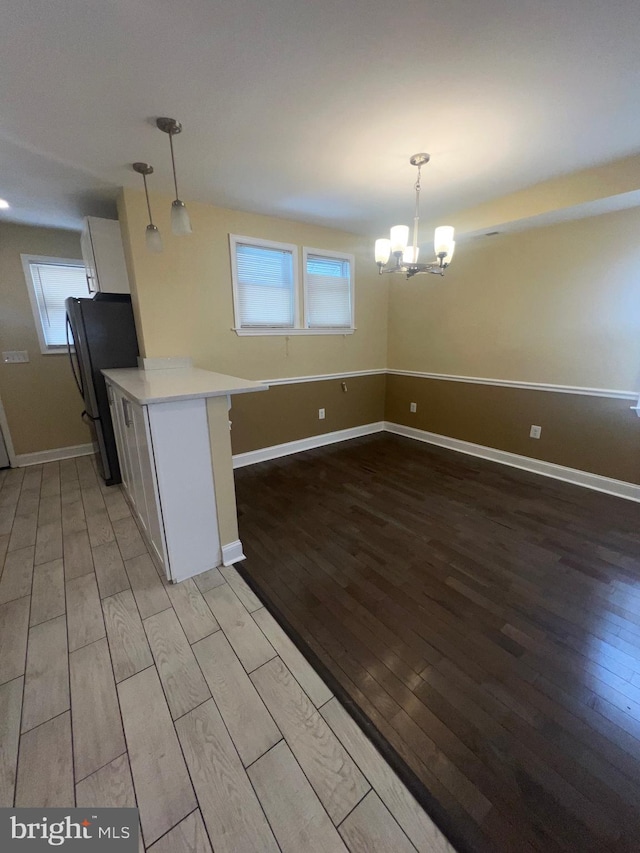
<point>165,460</point>
<point>103,255</point>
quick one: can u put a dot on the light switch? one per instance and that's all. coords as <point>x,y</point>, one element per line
<point>15,356</point>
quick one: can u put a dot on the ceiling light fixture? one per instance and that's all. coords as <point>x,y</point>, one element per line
<point>405,255</point>
<point>4,205</point>
<point>180,222</point>
<point>152,235</point>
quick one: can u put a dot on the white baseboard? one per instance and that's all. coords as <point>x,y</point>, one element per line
<point>24,459</point>
<point>289,447</point>
<point>619,488</point>
<point>232,553</point>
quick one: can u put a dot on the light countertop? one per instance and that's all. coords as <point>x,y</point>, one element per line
<point>163,386</point>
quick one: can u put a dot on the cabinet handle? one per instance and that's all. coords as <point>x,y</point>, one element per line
<point>125,412</point>
<point>110,394</point>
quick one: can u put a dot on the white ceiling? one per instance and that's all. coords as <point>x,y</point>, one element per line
<point>310,110</point>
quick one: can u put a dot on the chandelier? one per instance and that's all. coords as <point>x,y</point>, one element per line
<point>405,256</point>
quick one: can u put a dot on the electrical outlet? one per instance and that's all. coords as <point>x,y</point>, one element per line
<point>413,407</point>
<point>321,414</point>
<point>535,431</point>
<point>16,356</point>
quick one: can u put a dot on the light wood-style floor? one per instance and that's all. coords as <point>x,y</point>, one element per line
<point>188,700</point>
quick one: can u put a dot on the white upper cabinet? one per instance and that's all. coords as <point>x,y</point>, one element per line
<point>101,244</point>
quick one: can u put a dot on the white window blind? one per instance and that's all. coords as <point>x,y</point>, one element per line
<point>51,284</point>
<point>265,285</point>
<point>328,292</point>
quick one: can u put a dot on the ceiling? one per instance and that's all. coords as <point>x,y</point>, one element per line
<point>310,110</point>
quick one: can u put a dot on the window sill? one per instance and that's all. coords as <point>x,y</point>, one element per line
<point>252,332</point>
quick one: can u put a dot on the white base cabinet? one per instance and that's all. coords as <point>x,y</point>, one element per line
<point>165,461</point>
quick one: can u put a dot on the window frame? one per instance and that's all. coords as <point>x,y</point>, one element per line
<point>299,290</point>
<point>341,256</point>
<point>27,260</point>
<point>234,240</point>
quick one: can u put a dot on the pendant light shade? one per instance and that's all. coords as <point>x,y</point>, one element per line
<point>152,237</point>
<point>180,222</point>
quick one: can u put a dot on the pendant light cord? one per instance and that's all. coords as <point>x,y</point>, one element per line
<point>173,164</point>
<point>146,192</point>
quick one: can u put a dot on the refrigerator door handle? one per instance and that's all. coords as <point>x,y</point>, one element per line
<point>76,374</point>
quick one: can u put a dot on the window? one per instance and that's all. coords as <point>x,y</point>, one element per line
<point>269,300</point>
<point>265,283</point>
<point>49,282</point>
<point>327,290</point>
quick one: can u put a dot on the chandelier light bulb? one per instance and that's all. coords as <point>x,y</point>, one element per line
<point>408,256</point>
<point>443,239</point>
<point>399,238</point>
<point>382,250</point>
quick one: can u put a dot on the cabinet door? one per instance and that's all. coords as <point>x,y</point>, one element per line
<point>86,248</point>
<point>109,264</point>
<point>149,486</point>
<point>135,489</point>
<point>115,408</point>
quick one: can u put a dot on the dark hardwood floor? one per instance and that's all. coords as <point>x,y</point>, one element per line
<point>485,620</point>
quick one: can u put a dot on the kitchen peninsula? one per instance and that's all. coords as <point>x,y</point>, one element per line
<point>172,434</point>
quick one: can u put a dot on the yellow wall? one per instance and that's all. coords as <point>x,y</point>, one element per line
<point>184,305</point>
<point>290,412</point>
<point>600,435</point>
<point>559,305</point>
<point>596,184</point>
<point>40,398</point>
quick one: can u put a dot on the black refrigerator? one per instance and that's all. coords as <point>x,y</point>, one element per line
<point>101,333</point>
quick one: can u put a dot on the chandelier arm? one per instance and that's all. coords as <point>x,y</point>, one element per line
<point>413,269</point>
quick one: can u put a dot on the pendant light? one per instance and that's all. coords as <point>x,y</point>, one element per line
<point>405,254</point>
<point>153,239</point>
<point>180,222</point>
